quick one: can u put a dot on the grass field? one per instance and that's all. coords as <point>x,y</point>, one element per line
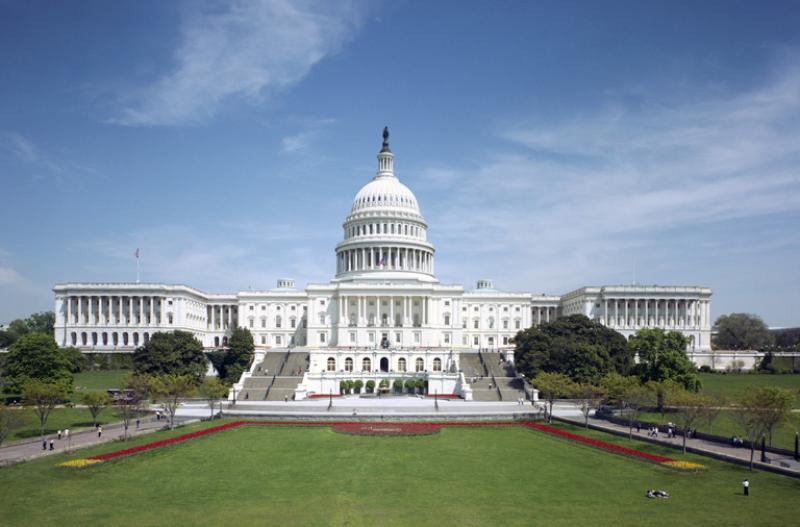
<point>314,476</point>
<point>729,386</point>
<point>97,381</point>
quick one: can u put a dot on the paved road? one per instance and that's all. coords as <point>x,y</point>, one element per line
<point>33,449</point>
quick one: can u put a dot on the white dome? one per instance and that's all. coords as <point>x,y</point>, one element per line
<point>385,192</point>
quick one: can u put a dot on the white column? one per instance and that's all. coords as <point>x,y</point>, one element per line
<point>152,311</point>
<point>646,315</point>
<point>627,320</point>
<point>391,311</point>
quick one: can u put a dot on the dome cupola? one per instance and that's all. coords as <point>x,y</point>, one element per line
<point>385,234</point>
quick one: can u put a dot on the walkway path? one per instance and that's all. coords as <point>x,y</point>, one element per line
<point>33,449</point>
<point>699,446</point>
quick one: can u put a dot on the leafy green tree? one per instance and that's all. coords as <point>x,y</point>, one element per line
<point>590,398</point>
<point>230,363</point>
<point>43,397</point>
<point>410,385</point>
<point>169,389</point>
<point>752,412</point>
<point>76,359</point>
<point>342,387</point>
<point>10,420</point>
<point>636,399</point>
<point>171,353</point>
<point>136,396</point>
<point>43,322</point>
<point>741,331</point>
<point>370,386</point>
<point>618,386</point>
<point>419,384</point>
<point>212,390</point>
<point>662,356</point>
<point>36,356</point>
<point>397,385</point>
<point>95,402</point>
<point>357,385</point>
<point>663,391</point>
<point>776,407</point>
<point>553,386</point>
<point>691,410</point>
<point>576,346</point>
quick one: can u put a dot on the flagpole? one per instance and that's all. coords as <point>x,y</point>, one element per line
<point>137,269</point>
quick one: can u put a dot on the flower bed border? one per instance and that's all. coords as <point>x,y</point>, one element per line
<point>387,429</point>
<point>597,443</point>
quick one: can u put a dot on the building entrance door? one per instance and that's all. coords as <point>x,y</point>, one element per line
<point>384,364</point>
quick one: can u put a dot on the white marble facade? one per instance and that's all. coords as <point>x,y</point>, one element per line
<point>384,296</point>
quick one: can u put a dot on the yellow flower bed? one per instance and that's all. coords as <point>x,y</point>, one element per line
<point>79,463</point>
<point>686,466</point>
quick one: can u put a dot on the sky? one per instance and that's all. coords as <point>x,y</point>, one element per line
<point>551,145</point>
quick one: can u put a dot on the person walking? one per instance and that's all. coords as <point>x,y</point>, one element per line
<point>746,487</point>
<point>137,423</point>
<point>99,431</point>
<point>52,445</point>
<point>59,435</point>
<point>44,444</point>
<point>66,433</point>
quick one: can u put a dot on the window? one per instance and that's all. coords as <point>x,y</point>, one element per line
<point>419,364</point>
<point>352,337</point>
<point>475,324</point>
<point>447,320</point>
<point>475,340</point>
<point>447,338</point>
<point>437,364</point>
<point>517,324</point>
<point>278,340</point>
<point>397,338</point>
<point>505,324</point>
<point>331,364</point>
<point>348,364</point>
<point>401,364</point>
<point>251,308</point>
<point>505,341</point>
<point>263,339</point>
<point>366,365</point>
<point>464,324</point>
<point>263,322</point>
<point>372,337</point>
<point>292,322</point>
<point>169,318</point>
<point>446,302</point>
<point>322,337</point>
<point>278,321</point>
<point>251,322</point>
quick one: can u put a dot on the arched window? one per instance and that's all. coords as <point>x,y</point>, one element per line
<point>419,364</point>
<point>447,319</point>
<point>491,322</point>
<point>125,339</point>
<point>278,321</point>
<point>401,364</point>
<point>146,337</point>
<point>366,365</point>
<point>216,342</point>
<point>437,364</point>
<point>105,339</point>
<point>115,338</point>
<point>74,338</point>
<point>135,339</point>
<point>348,364</point>
<point>331,364</point>
<point>292,322</point>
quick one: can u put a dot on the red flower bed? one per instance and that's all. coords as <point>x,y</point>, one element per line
<point>598,443</point>
<point>387,429</point>
<point>443,396</point>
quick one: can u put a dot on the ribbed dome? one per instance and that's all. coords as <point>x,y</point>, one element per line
<point>385,192</point>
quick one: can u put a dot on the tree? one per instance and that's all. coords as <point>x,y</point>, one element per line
<point>342,387</point>
<point>635,400</point>
<point>663,390</point>
<point>43,396</point>
<point>749,415</point>
<point>662,356</point>
<point>36,356</point>
<point>576,346</point>
<point>43,322</point>
<point>172,353</point>
<point>75,359</point>
<point>95,402</point>
<point>410,385</point>
<point>618,386</point>
<point>10,420</point>
<point>398,386</point>
<point>741,331</point>
<point>777,407</point>
<point>419,384</point>
<point>553,386</point>
<point>357,385</point>
<point>212,390</point>
<point>691,411</point>
<point>235,360</point>
<point>590,397</point>
<point>370,386</point>
<point>169,390</point>
<point>135,395</point>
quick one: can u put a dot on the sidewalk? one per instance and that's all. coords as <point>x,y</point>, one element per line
<point>33,449</point>
<point>776,462</point>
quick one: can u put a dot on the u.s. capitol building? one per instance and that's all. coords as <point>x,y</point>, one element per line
<point>384,311</point>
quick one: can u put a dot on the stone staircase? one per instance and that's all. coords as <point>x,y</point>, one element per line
<point>494,379</point>
<point>256,386</point>
<point>296,364</point>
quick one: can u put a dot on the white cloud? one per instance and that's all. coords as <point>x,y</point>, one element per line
<point>23,149</point>
<point>245,49</point>
<point>9,276</point>
<point>580,201</point>
<point>302,140</point>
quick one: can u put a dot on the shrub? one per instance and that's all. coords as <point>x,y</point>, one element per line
<point>398,385</point>
<point>358,385</point>
<point>410,385</point>
<point>420,385</point>
<point>370,386</point>
<point>342,387</point>
<point>350,386</point>
<point>705,368</point>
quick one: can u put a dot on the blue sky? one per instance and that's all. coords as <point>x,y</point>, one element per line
<point>551,144</point>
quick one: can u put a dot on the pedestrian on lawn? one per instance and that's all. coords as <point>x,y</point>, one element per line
<point>44,444</point>
<point>99,431</point>
<point>52,445</point>
<point>59,435</point>
<point>746,487</point>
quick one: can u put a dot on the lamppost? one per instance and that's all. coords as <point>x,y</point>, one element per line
<point>436,400</point>
<point>233,402</point>
<point>796,447</point>
<point>330,399</point>
<point>763,449</point>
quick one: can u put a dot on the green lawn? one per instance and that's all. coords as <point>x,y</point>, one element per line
<point>314,476</point>
<point>60,418</point>
<point>97,381</point>
<point>729,386</point>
